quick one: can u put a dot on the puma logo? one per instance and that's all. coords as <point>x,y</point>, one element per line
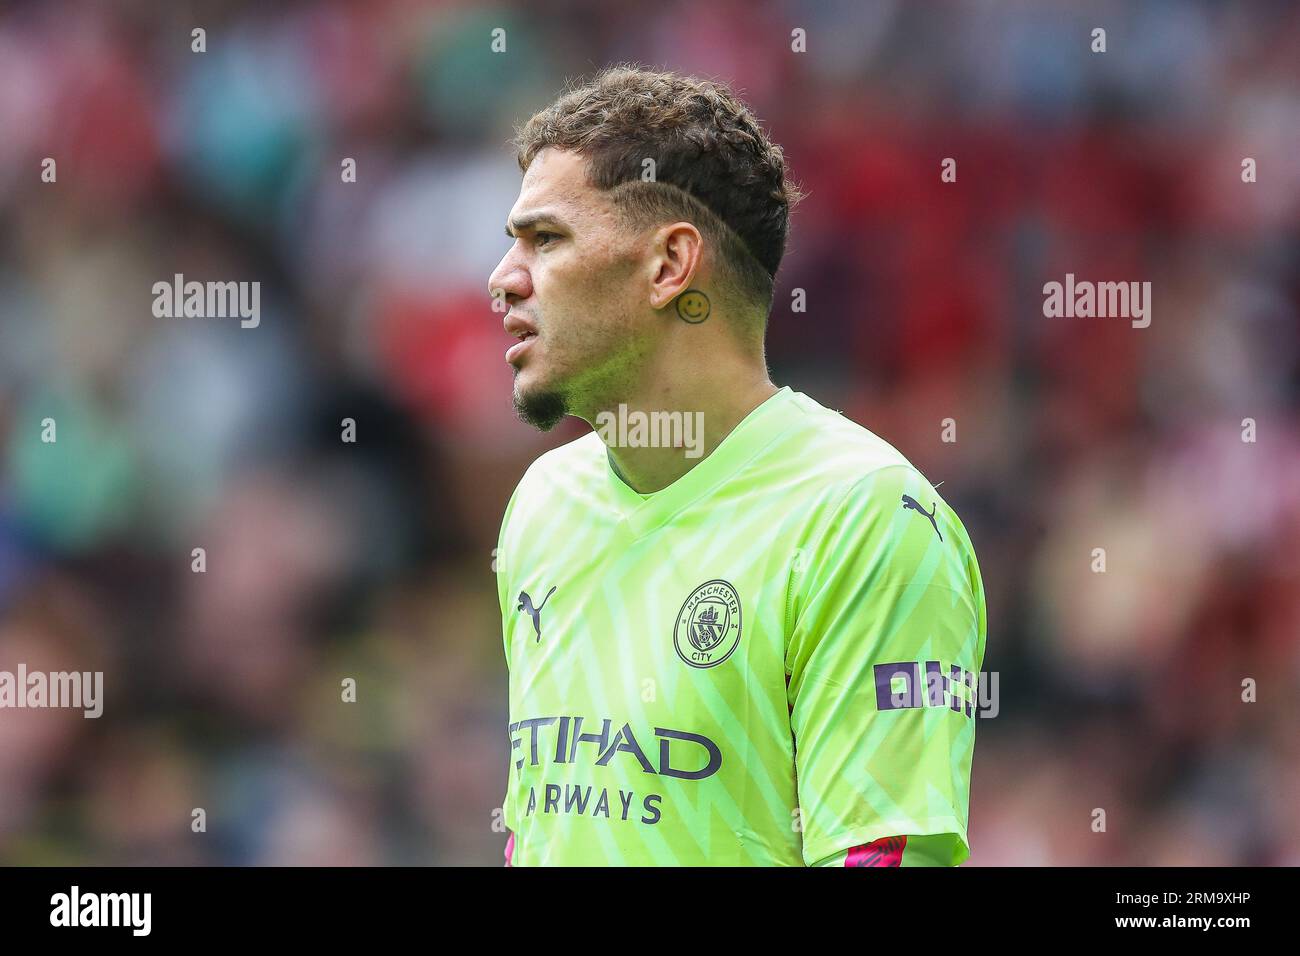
<point>526,604</point>
<point>910,502</point>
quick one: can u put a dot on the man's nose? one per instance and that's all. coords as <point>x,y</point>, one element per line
<point>509,280</point>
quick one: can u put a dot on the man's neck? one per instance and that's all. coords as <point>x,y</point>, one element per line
<point>639,437</point>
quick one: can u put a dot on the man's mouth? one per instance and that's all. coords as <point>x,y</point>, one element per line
<point>515,351</point>
<point>521,328</point>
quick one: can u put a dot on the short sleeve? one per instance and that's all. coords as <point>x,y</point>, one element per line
<point>884,652</point>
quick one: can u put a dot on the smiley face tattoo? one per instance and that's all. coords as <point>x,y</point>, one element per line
<point>693,306</point>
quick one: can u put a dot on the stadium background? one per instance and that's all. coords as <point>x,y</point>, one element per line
<point>1118,690</point>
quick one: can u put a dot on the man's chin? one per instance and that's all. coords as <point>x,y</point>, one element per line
<point>540,407</point>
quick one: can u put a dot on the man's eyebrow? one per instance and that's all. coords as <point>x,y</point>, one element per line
<point>522,223</point>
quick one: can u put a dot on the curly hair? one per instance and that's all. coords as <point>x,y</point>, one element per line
<point>713,164</point>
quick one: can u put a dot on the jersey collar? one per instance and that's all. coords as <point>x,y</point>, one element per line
<point>767,422</point>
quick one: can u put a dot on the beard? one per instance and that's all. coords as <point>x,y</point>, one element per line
<point>540,408</point>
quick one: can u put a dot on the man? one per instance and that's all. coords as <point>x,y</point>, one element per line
<point>754,643</point>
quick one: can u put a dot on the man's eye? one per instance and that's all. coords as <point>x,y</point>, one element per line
<point>541,238</point>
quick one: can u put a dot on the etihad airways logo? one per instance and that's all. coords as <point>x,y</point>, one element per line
<point>560,740</point>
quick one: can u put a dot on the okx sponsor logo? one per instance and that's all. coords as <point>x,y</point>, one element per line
<point>904,685</point>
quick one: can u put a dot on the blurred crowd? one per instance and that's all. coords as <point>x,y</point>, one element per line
<point>1119,690</point>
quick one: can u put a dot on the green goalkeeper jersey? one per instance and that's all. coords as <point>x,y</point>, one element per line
<point>771,661</point>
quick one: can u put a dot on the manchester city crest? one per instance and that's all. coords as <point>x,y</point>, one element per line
<point>708,625</point>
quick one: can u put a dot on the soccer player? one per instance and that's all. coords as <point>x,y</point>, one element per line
<point>741,629</point>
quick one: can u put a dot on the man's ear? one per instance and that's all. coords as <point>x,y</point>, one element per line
<point>675,262</point>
